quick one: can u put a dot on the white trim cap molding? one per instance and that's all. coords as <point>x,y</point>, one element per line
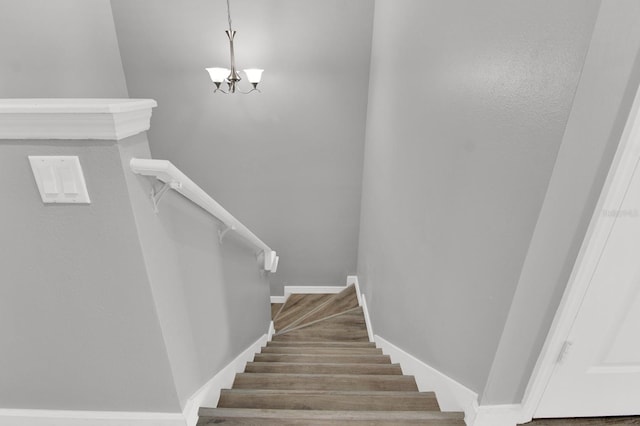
<point>104,119</point>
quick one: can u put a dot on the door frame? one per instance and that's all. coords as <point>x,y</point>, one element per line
<point>625,163</point>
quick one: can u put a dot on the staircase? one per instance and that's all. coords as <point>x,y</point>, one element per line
<point>321,369</point>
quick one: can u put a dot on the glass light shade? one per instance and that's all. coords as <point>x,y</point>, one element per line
<point>254,75</point>
<point>218,75</point>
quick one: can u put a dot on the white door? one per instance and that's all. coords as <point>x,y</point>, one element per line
<point>598,371</point>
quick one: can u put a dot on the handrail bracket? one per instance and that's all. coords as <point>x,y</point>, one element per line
<point>156,194</point>
<point>222,233</point>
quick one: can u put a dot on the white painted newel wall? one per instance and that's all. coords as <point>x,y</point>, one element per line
<point>108,120</point>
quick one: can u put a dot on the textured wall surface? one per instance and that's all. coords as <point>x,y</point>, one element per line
<point>106,306</point>
<point>78,324</point>
<point>59,49</point>
<point>458,157</point>
<point>286,162</point>
<point>600,109</point>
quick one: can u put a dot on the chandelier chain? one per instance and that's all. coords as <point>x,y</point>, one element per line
<point>229,15</point>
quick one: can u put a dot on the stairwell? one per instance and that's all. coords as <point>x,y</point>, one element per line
<point>321,369</point>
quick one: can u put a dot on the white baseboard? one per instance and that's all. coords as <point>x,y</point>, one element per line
<point>496,415</point>
<point>367,319</point>
<point>208,395</point>
<point>18,417</point>
<point>311,289</point>
<point>353,279</point>
<point>452,396</point>
<point>316,289</point>
<point>272,331</point>
<point>278,299</point>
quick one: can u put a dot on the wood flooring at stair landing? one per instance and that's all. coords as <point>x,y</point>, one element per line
<point>321,369</point>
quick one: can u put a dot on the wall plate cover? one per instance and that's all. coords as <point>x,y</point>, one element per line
<point>59,179</point>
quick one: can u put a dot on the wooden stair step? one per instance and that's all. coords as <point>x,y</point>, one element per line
<point>328,400</point>
<point>320,350</point>
<point>275,308</point>
<point>345,300</point>
<point>348,326</point>
<point>322,368</point>
<point>296,306</point>
<point>250,416</point>
<point>327,344</point>
<point>324,382</point>
<point>350,359</point>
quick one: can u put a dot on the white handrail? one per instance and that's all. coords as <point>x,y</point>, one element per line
<point>173,178</point>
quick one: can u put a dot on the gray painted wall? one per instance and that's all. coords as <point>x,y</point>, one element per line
<point>106,306</point>
<point>62,48</point>
<point>602,103</point>
<point>77,320</point>
<point>458,157</point>
<point>287,162</point>
<point>212,300</point>
<point>78,325</point>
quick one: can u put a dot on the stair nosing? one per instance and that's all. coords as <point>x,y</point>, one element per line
<point>427,394</point>
<point>330,343</point>
<point>327,414</point>
<point>316,375</point>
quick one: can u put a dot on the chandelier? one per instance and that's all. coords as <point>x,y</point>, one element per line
<point>231,76</point>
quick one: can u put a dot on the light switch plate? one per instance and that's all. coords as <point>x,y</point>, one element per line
<point>59,179</point>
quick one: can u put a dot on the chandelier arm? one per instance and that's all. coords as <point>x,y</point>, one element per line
<point>252,90</point>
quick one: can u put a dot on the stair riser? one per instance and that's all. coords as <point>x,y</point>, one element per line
<point>351,359</point>
<point>324,382</point>
<point>285,401</point>
<point>319,417</point>
<point>321,422</point>
<point>300,368</point>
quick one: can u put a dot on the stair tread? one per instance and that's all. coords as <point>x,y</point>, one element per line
<point>336,304</point>
<point>369,359</point>
<point>324,381</point>
<point>328,400</point>
<point>335,343</point>
<point>322,368</point>
<point>343,415</point>
<point>275,308</point>
<point>347,326</point>
<point>296,306</point>
<point>319,350</point>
